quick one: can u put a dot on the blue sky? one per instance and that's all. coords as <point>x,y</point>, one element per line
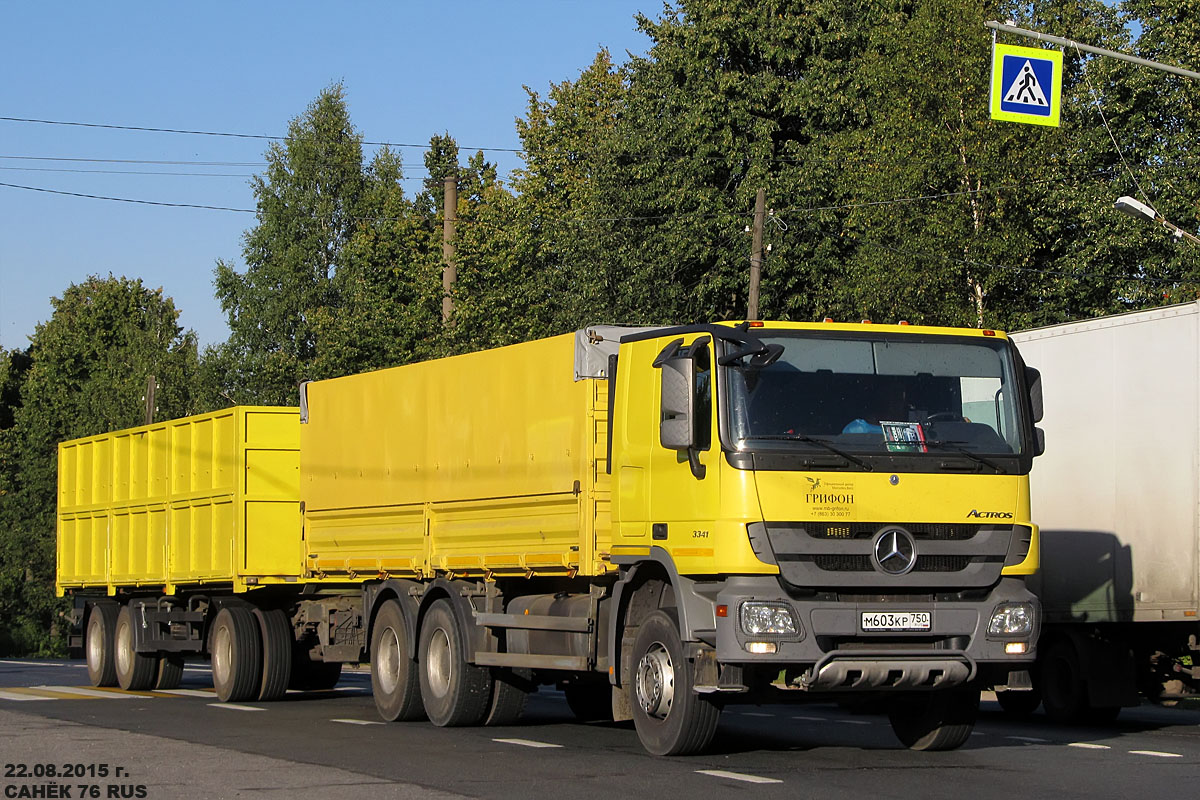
<point>243,68</point>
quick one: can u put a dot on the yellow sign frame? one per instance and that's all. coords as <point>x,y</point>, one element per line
<point>999,51</point>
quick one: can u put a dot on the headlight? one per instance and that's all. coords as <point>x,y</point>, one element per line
<point>1011,619</point>
<point>769,618</point>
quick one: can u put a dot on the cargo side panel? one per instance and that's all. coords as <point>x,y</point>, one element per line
<point>205,499</point>
<point>494,448</point>
<point>270,525</point>
<point>1116,493</point>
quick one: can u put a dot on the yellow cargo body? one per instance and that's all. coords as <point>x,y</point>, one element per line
<point>209,499</point>
<point>490,463</point>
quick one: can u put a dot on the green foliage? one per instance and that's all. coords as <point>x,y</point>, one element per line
<point>85,373</point>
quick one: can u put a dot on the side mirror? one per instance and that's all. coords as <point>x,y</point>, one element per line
<point>677,430</point>
<point>1034,378</point>
<point>1040,437</point>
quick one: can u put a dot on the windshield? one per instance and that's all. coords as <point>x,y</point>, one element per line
<point>878,393</point>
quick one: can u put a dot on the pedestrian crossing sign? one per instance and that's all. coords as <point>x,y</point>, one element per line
<point>1026,84</point>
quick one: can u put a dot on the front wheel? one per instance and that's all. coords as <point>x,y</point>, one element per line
<point>935,720</point>
<point>670,718</point>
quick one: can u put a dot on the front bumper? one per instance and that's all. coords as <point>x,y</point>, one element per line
<point>832,652</point>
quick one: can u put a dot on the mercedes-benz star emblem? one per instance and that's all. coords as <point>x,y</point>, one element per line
<point>895,553</point>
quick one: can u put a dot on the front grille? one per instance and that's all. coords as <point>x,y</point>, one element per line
<point>929,531</point>
<point>941,563</point>
<point>857,563</point>
<point>844,563</point>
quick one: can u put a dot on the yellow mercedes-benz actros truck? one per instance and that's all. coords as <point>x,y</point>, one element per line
<point>661,522</point>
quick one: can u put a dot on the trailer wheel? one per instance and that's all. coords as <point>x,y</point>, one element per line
<point>170,672</point>
<point>98,647</point>
<point>935,720</point>
<point>509,692</point>
<point>276,632</point>
<point>455,692</point>
<point>237,656</point>
<point>394,679</point>
<point>135,671</point>
<point>670,718</point>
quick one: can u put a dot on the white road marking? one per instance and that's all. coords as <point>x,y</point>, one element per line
<point>755,714</point>
<point>1155,753</point>
<point>856,721</point>
<point>812,719</point>
<point>41,663</point>
<point>236,707</point>
<point>1089,746</point>
<point>187,693</point>
<point>20,697</point>
<point>526,743</point>
<point>1027,739</point>
<point>357,721</point>
<point>737,776</point>
<point>82,692</point>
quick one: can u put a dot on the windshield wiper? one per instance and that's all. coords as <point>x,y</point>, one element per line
<point>950,445</point>
<point>800,437</point>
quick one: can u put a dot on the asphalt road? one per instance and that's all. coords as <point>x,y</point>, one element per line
<point>331,745</point>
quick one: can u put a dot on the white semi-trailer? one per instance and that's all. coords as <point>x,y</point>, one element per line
<point>1117,495</point>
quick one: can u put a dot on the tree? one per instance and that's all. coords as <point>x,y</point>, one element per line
<point>308,208</point>
<point>87,374</point>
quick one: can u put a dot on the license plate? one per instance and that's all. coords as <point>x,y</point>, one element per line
<point>896,620</point>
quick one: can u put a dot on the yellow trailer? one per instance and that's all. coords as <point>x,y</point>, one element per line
<point>660,522</point>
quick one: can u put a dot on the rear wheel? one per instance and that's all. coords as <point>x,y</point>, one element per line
<point>455,692</point>
<point>509,691</point>
<point>170,672</point>
<point>590,702</point>
<point>394,679</point>
<point>135,671</point>
<point>98,649</point>
<point>276,633</point>
<point>935,720</point>
<point>237,655</point>
<point>1065,690</point>
<point>670,718</point>
<point>1019,704</point>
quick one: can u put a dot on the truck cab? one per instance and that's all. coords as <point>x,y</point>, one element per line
<point>835,508</point>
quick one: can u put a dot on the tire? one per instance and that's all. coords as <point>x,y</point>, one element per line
<point>170,672</point>
<point>671,719</point>
<point>1064,691</point>
<point>935,720</point>
<point>136,671</point>
<point>237,655</point>
<point>509,692</point>
<point>395,681</point>
<point>590,702</point>
<point>455,692</point>
<point>98,644</point>
<point>276,632</point>
<point>1019,704</point>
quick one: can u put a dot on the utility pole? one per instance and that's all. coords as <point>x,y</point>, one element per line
<point>449,270</point>
<point>756,256</point>
<point>151,388</point>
